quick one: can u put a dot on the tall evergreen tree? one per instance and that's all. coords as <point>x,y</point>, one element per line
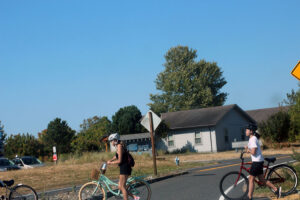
<point>127,120</point>
<point>58,134</point>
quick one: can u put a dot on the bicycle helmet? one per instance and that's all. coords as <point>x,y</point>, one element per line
<point>251,127</point>
<point>114,136</point>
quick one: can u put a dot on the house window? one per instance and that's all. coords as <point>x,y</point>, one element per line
<point>243,134</point>
<point>226,135</point>
<point>198,137</point>
<point>170,140</point>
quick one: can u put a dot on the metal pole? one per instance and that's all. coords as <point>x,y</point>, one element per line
<point>153,144</point>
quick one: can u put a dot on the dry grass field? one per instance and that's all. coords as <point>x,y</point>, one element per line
<point>230,155</point>
<point>74,171</point>
<point>290,197</point>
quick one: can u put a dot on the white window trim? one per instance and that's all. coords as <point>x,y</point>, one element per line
<point>201,143</point>
<point>171,140</point>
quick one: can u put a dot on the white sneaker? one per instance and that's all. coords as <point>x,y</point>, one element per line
<point>278,192</point>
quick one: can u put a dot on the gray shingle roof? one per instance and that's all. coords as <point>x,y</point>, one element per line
<point>203,117</point>
<point>134,136</point>
<point>260,115</point>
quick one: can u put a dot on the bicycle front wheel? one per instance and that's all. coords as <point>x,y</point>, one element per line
<point>23,192</point>
<point>91,191</point>
<point>285,177</point>
<point>234,186</point>
<point>139,188</point>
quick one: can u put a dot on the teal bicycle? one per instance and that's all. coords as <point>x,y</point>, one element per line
<point>104,188</point>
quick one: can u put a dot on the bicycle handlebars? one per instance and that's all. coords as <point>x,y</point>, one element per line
<point>103,168</point>
<point>242,155</point>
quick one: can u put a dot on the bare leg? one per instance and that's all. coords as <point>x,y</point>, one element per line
<point>122,186</point>
<point>268,183</point>
<point>251,186</point>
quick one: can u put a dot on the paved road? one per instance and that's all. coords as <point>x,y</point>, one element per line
<point>201,183</point>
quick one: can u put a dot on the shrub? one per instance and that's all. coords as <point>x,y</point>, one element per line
<point>276,128</point>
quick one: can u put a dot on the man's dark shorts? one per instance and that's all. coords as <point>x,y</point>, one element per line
<point>257,168</point>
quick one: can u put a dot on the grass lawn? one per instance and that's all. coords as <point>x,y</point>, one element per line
<point>76,170</point>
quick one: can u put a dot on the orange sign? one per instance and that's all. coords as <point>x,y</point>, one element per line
<point>296,71</point>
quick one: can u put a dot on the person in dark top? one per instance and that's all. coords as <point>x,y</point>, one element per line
<point>121,158</point>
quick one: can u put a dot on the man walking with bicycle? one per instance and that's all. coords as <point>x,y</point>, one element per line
<point>257,161</point>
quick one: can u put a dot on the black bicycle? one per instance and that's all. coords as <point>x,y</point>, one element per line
<point>18,192</point>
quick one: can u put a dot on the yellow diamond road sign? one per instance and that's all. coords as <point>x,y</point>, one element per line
<point>296,71</point>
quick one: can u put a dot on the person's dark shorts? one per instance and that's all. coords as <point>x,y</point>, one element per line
<point>125,169</point>
<point>257,168</point>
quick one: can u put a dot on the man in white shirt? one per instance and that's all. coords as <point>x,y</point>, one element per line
<point>257,161</point>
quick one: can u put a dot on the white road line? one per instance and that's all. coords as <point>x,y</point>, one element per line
<point>222,198</point>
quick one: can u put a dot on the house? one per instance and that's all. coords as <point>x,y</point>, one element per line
<point>261,115</point>
<point>135,142</point>
<point>205,130</point>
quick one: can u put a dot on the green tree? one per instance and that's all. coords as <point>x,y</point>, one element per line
<point>293,100</point>
<point>92,129</point>
<point>22,145</point>
<point>127,120</point>
<point>43,151</point>
<point>186,83</point>
<point>3,134</point>
<point>58,134</point>
<point>276,128</point>
<point>2,138</point>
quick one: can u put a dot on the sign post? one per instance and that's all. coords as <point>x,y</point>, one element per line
<point>54,155</point>
<point>296,71</point>
<point>153,144</point>
<point>151,121</point>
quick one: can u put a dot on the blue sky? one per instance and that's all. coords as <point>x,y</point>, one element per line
<point>77,59</point>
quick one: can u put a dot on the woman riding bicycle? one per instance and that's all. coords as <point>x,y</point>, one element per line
<point>257,161</point>
<point>121,158</point>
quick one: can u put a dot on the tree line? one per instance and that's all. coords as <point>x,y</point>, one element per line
<point>284,126</point>
<point>58,133</point>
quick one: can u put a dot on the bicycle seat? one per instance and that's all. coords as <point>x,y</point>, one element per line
<point>270,160</point>
<point>9,183</point>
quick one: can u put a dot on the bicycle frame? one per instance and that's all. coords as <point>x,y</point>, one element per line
<point>242,167</point>
<point>106,183</point>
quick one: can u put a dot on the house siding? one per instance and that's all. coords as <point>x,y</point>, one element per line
<point>186,138</point>
<point>213,138</point>
<point>234,122</point>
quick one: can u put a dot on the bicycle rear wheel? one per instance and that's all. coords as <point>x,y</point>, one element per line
<point>91,191</point>
<point>23,192</point>
<point>140,189</point>
<point>285,177</point>
<point>233,188</point>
